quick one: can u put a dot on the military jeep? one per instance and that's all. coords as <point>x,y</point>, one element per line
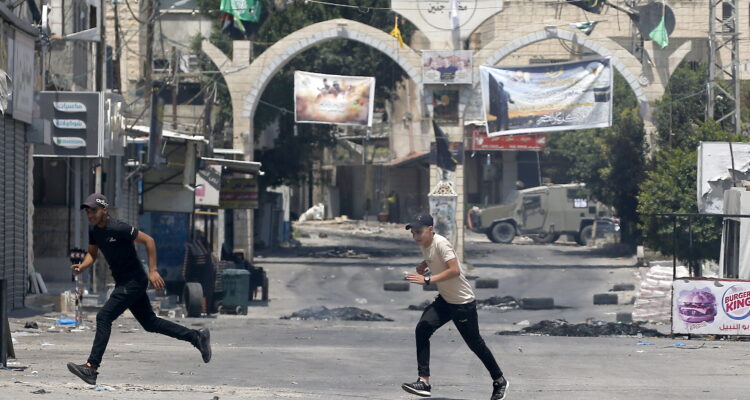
<point>545,213</point>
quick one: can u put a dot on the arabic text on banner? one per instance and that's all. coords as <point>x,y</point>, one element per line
<point>548,97</point>
<point>711,307</point>
<point>333,99</point>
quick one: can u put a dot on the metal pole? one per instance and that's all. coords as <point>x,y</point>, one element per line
<point>3,318</point>
<point>690,247</point>
<point>674,247</point>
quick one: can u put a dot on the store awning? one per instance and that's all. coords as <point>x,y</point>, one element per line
<point>410,158</point>
<point>246,167</point>
<point>169,134</point>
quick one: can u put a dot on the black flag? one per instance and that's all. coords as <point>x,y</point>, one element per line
<point>445,159</point>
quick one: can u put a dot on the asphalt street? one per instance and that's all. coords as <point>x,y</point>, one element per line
<point>260,356</point>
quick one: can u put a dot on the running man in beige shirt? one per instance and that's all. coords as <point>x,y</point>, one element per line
<point>455,302</point>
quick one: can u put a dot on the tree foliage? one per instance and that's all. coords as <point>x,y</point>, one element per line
<point>610,161</point>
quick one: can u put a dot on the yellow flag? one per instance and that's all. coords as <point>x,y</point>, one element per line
<point>397,33</point>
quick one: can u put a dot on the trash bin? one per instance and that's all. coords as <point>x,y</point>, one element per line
<point>236,291</point>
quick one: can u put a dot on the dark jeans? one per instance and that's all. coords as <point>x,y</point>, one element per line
<point>464,316</point>
<point>132,295</point>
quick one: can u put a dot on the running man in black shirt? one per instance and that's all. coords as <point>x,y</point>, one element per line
<point>116,240</point>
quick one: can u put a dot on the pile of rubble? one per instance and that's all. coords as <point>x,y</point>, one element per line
<point>336,314</point>
<point>560,327</point>
<point>339,252</point>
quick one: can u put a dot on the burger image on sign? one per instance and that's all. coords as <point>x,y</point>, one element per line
<point>698,305</point>
<point>736,302</point>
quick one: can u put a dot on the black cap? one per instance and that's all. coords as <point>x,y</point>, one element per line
<point>95,200</point>
<point>420,220</point>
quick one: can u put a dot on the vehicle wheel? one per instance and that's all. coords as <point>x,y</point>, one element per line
<point>193,296</point>
<point>502,232</point>
<point>238,310</point>
<point>220,309</point>
<point>584,237</point>
<point>546,238</point>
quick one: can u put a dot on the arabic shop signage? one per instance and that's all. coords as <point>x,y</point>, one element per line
<point>75,124</point>
<point>711,307</point>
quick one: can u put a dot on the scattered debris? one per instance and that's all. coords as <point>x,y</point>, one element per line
<point>66,321</point>
<point>499,303</point>
<point>339,252</point>
<point>31,325</point>
<point>40,391</point>
<point>342,314</point>
<point>421,306</point>
<point>561,327</point>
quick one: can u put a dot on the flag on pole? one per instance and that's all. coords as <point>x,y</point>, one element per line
<point>586,27</point>
<point>659,34</point>
<point>245,10</point>
<point>397,33</point>
<point>455,20</point>
<point>445,159</point>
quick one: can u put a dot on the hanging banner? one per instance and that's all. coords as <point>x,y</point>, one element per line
<point>548,97</point>
<point>446,67</point>
<point>711,307</point>
<point>477,135</point>
<point>333,99</point>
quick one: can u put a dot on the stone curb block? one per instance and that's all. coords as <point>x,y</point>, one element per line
<point>623,287</point>
<point>625,317</point>
<point>486,283</point>
<point>540,303</point>
<point>396,286</point>
<point>605,298</point>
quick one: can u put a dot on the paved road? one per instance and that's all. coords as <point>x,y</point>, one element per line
<point>260,356</point>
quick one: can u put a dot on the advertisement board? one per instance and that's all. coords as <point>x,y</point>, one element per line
<point>208,185</point>
<point>75,122</point>
<point>547,97</point>
<point>333,99</point>
<point>447,67</point>
<point>238,193</point>
<point>711,307</point>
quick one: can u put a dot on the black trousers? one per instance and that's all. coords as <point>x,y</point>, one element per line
<point>132,296</point>
<point>464,316</point>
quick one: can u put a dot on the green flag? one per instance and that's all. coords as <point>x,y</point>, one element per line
<point>660,35</point>
<point>245,10</point>
<point>585,27</point>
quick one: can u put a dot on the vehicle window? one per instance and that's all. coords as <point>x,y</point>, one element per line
<point>532,202</point>
<point>578,197</point>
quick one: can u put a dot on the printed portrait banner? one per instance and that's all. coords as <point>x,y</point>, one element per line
<point>548,97</point>
<point>711,307</point>
<point>333,99</point>
<point>447,67</point>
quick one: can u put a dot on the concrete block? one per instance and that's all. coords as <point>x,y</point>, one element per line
<point>621,287</point>
<point>624,317</point>
<point>396,286</point>
<point>540,303</point>
<point>605,299</point>
<point>430,288</point>
<point>486,283</point>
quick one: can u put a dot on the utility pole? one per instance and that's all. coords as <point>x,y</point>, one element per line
<point>117,49</point>
<point>724,34</point>
<point>174,87</point>
<point>149,62</point>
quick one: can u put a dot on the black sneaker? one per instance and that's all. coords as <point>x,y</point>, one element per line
<point>83,371</point>
<point>420,388</point>
<point>204,344</point>
<point>500,389</point>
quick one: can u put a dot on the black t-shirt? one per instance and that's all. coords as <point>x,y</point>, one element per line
<point>116,241</point>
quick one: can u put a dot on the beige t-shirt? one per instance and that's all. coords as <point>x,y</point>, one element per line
<point>456,290</point>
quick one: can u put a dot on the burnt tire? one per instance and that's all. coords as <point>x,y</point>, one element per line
<point>546,238</point>
<point>585,235</point>
<point>396,286</point>
<point>540,303</point>
<point>193,297</point>
<point>486,283</point>
<point>502,232</point>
